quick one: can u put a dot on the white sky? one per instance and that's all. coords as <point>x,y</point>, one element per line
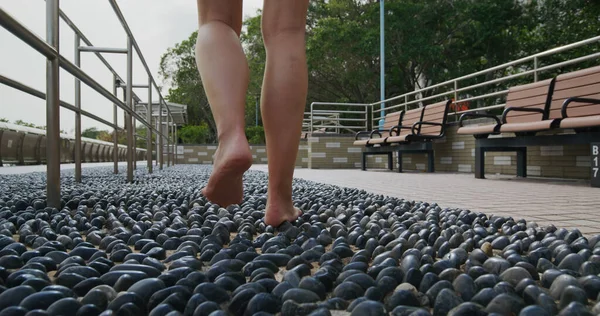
<point>156,25</point>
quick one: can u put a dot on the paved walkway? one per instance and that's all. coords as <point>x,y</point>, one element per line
<point>568,204</point>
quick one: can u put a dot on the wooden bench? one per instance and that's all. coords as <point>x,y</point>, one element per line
<point>571,103</point>
<point>415,135</point>
<point>390,120</point>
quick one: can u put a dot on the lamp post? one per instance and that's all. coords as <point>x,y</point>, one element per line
<point>382,58</point>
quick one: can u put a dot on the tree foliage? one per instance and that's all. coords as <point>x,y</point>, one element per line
<point>427,42</point>
<point>194,134</point>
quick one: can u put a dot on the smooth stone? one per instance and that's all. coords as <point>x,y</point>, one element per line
<point>193,303</point>
<point>212,292</point>
<point>362,279</point>
<point>575,308</point>
<point>514,275</point>
<point>547,302</point>
<point>127,298</point>
<point>369,308</point>
<point>123,283</point>
<point>13,311</point>
<point>484,296</point>
<point>433,291</point>
<point>561,283</point>
<point>83,287</point>
<point>409,310</point>
<point>292,308</point>
<point>145,288</point>
<point>151,271</point>
<point>505,304</point>
<point>41,300</point>
<point>534,310</point>
<point>112,277</point>
<point>96,297</point>
<point>263,302</point>
<point>591,285</point>
<point>239,302</point>
<point>321,311</point>
<point>64,307</point>
<point>572,262</point>
<point>15,295</point>
<point>464,286</point>
<point>572,294</point>
<point>467,309</point>
<point>445,301</point>
<point>300,296</point>
<point>64,290</point>
<point>496,265</point>
<point>348,291</point>
<point>314,285</point>
<point>402,297</point>
<point>206,308</point>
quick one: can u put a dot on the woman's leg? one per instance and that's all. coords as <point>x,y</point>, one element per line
<point>283,100</point>
<point>224,72</point>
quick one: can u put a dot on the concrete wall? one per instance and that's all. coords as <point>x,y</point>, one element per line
<point>203,154</point>
<point>455,153</point>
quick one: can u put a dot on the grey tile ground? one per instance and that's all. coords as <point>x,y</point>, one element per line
<point>563,203</point>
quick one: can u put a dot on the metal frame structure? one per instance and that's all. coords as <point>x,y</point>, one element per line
<point>527,66</point>
<point>50,49</point>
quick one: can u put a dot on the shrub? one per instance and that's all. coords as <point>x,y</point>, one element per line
<point>194,134</point>
<point>255,135</point>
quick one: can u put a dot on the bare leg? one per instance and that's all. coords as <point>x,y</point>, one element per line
<point>224,72</point>
<point>283,100</point>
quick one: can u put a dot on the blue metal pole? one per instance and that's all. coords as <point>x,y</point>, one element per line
<point>382,58</point>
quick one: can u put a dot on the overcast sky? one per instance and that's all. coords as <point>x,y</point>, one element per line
<point>156,25</point>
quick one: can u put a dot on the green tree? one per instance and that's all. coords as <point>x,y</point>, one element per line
<point>91,132</point>
<point>3,120</point>
<point>194,134</point>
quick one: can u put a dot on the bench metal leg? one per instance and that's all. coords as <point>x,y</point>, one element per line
<point>522,162</point>
<point>479,163</point>
<point>399,161</point>
<point>390,161</point>
<point>364,161</point>
<point>430,161</point>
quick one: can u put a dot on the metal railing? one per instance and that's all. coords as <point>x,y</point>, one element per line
<point>351,117</point>
<point>461,90</point>
<point>55,61</point>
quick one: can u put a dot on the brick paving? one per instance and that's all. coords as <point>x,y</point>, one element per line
<point>568,204</point>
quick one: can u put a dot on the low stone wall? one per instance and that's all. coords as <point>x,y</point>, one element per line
<point>203,154</point>
<point>455,153</point>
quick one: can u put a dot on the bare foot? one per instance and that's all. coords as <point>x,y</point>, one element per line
<point>277,214</point>
<point>231,160</point>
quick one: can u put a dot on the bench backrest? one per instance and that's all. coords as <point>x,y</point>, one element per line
<point>410,118</point>
<point>434,113</point>
<point>532,95</point>
<point>392,119</point>
<point>582,83</point>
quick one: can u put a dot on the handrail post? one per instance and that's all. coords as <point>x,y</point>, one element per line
<point>135,156</point>
<point>311,117</point>
<point>161,137</point>
<point>115,130</point>
<point>382,59</point>
<point>149,130</point>
<point>168,141</point>
<point>129,103</point>
<point>52,108</point>
<point>535,67</point>
<point>77,113</point>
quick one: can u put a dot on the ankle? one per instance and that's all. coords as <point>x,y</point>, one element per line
<point>231,135</point>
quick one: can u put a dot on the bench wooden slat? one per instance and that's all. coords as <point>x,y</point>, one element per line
<point>540,91</point>
<point>582,83</point>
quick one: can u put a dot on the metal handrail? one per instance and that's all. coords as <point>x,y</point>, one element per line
<point>413,97</point>
<point>49,49</point>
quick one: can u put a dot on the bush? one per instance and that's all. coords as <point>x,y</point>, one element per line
<point>255,135</point>
<point>194,134</point>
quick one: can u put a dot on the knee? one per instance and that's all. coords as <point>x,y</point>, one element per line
<point>276,33</point>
